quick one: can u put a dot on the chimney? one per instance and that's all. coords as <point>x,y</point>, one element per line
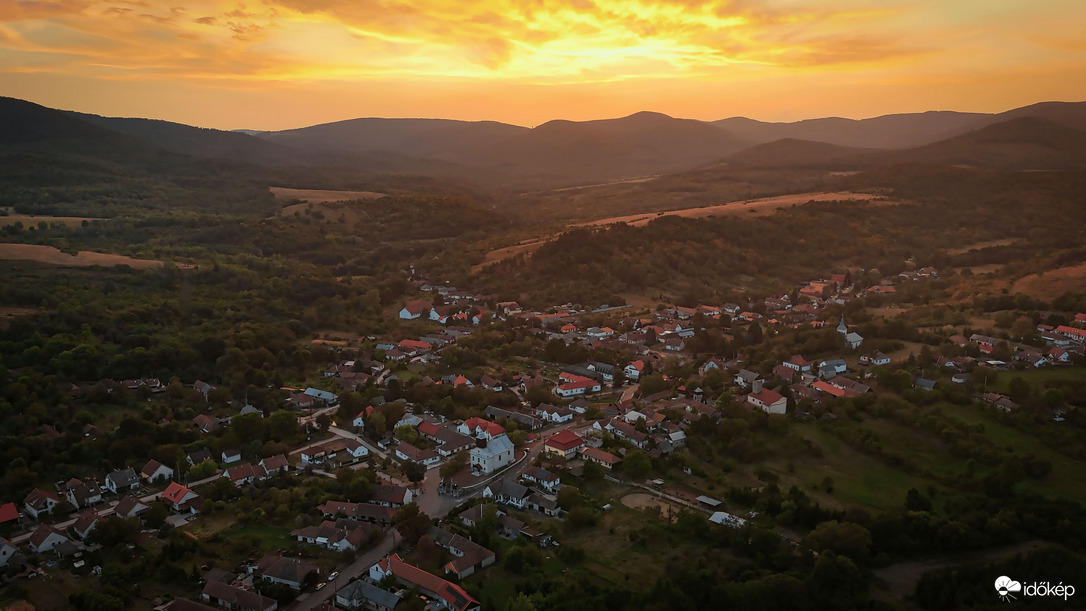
<point>756,387</point>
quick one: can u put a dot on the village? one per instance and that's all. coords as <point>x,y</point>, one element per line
<point>533,430</point>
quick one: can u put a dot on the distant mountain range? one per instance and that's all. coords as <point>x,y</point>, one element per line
<point>1049,135</point>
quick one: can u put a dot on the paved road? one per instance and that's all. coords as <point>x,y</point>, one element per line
<point>358,567</point>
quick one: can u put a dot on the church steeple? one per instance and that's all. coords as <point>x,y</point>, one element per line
<point>841,328</point>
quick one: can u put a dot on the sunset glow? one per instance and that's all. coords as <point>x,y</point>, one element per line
<point>288,63</point>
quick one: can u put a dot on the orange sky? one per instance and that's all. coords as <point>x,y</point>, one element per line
<point>275,64</point>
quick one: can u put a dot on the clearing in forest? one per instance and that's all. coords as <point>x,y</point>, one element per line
<point>47,254</point>
<point>321,196</point>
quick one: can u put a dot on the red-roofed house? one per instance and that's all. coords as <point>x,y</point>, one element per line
<point>180,497</point>
<point>451,595</point>
<point>798,363</point>
<point>633,369</point>
<point>769,401</point>
<point>564,443</point>
<point>45,538</point>
<point>40,502</point>
<point>8,512</point>
<point>483,429</point>
<point>84,524</point>
<point>607,459</point>
<point>414,310</point>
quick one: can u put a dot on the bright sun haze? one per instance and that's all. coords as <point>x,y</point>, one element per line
<point>288,63</point>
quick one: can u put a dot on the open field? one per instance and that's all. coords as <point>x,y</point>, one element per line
<point>643,500</point>
<point>501,254</point>
<point>33,220</point>
<point>1052,284</point>
<point>320,196</point>
<point>47,254</point>
<point>762,206</point>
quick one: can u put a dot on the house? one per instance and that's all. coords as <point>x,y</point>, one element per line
<point>798,363</point>
<point>358,423</point>
<point>832,367</point>
<point>323,396</point>
<point>480,429</point>
<point>490,383</point>
<point>130,507</point>
<point>876,358</point>
<point>414,310</point>
<point>245,474</point>
<point>275,464</point>
<point>406,451</point>
<point>339,536</point>
<point>40,502</point>
<point>82,494</point>
<point>8,513</point>
<point>199,456</point>
<point>291,572</point>
<point>853,340</point>
<point>605,459</point>
<point>564,443</point>
<point>181,498</point>
<point>391,496</point>
<point>508,492</point>
<point>362,594</point>
<point>361,512</point>
<point>468,555</point>
<point>45,538</point>
<point>155,471</point>
<point>543,478</point>
<point>784,372</point>
<point>319,454</point>
<point>769,401</point>
<point>236,598</point>
<point>203,388</point>
<point>84,524</point>
<point>451,595</point>
<point>628,432</point>
<point>8,552</point>
<point>1059,356</point>
<point>924,384</point>
<point>122,480</point>
<point>492,455</point>
<point>633,370</point>
<point>675,344</point>
<point>746,377</point>
<point>206,423</point>
<point>570,389</point>
<point>553,413</point>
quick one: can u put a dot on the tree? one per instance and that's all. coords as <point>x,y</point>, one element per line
<point>454,464</point>
<point>914,501</point>
<point>411,522</point>
<point>415,471</point>
<point>847,538</point>
<point>636,464</point>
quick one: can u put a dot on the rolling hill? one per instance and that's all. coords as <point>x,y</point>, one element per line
<point>1023,143</point>
<point>793,153</point>
<point>885,132</point>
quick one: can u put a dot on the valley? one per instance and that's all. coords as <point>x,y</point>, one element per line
<point>634,363</point>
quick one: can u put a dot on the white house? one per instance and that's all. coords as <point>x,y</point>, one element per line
<point>497,453</point>
<point>45,539</point>
<point>414,310</point>
<point>769,401</point>
<point>633,370</point>
<point>155,471</point>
